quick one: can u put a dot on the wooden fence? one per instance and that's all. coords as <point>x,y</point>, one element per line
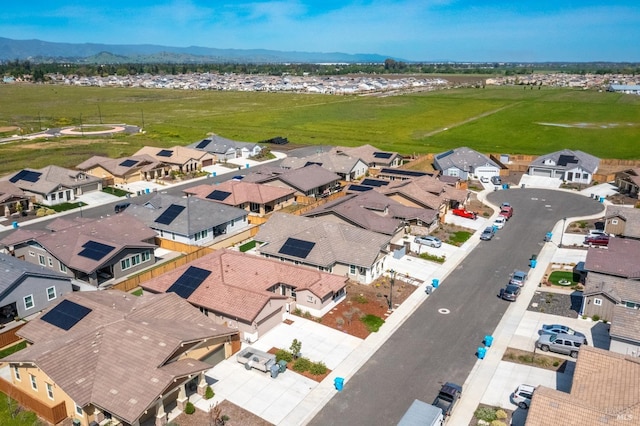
<point>9,337</point>
<point>53,415</point>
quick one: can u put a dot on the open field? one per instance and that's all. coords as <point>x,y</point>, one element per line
<point>512,120</point>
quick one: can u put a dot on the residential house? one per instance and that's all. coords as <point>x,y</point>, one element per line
<point>120,171</point>
<point>325,245</point>
<point>93,251</point>
<point>54,185</point>
<point>250,293</point>
<point>108,356</point>
<point>180,158</point>
<point>625,330</point>
<point>254,198</point>
<point>604,391</point>
<point>465,163</point>
<point>375,212</point>
<point>309,181</point>
<point>12,199</point>
<point>226,149</point>
<point>190,221</point>
<point>566,165</point>
<point>619,259</point>
<point>622,221</point>
<point>26,288</point>
<point>349,168</point>
<point>392,174</point>
<point>372,156</point>
<point>628,182</point>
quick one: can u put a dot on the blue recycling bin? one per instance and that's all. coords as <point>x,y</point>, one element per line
<point>505,186</point>
<point>338,382</point>
<point>602,199</point>
<point>548,236</point>
<point>214,174</point>
<point>533,263</point>
<point>435,283</point>
<point>482,351</point>
<point>246,165</point>
<point>146,190</point>
<point>14,224</point>
<point>488,341</point>
<point>495,228</point>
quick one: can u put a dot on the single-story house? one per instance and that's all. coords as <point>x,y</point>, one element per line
<point>190,221</point>
<point>250,293</point>
<point>254,198</point>
<point>347,167</point>
<point>325,245</point>
<point>94,251</point>
<point>465,163</point>
<point>604,392</point>
<point>53,184</point>
<point>180,158</point>
<point>567,165</point>
<point>26,288</point>
<point>12,199</point>
<point>110,356</point>
<point>628,182</point>
<point>226,149</point>
<point>372,156</point>
<point>619,259</point>
<point>622,221</point>
<point>121,171</point>
<point>310,181</point>
<point>393,174</point>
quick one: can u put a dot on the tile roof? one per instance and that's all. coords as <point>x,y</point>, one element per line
<point>303,180</point>
<point>13,271</point>
<point>242,192</point>
<point>118,231</point>
<point>118,356</point>
<point>631,217</point>
<point>179,154</point>
<point>426,190</point>
<point>9,190</point>
<point>331,161</point>
<point>366,153</point>
<point>604,391</point>
<point>334,242</point>
<point>141,163</point>
<point>197,216</point>
<point>620,258</point>
<point>618,289</point>
<point>219,145</point>
<point>239,283</point>
<point>51,178</point>
<point>625,323</point>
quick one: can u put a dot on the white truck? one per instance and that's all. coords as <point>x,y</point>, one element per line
<point>422,414</point>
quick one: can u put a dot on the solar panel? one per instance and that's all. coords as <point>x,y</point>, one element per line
<point>359,188</point>
<point>402,172</point>
<point>169,214</point>
<point>218,195</point>
<point>95,251</point>
<point>66,314</point>
<point>128,163</point>
<point>165,153</point>
<point>27,175</point>
<point>563,160</point>
<point>203,143</point>
<point>382,154</point>
<point>444,154</point>
<point>296,248</point>
<point>189,281</point>
<point>375,182</point>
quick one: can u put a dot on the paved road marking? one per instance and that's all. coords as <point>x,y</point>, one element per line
<point>444,311</point>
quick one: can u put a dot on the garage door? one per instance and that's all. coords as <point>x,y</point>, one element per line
<point>542,172</point>
<point>208,162</point>
<point>214,357</point>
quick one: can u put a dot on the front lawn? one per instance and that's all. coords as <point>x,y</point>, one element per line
<point>12,414</point>
<point>66,206</point>
<point>372,322</point>
<point>562,278</point>
<point>115,191</point>
<point>459,237</point>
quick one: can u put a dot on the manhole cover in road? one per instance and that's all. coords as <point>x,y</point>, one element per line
<point>444,311</point>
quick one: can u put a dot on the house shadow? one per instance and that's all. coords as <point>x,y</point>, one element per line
<point>600,335</point>
<point>576,302</point>
<point>564,376</point>
<point>519,417</point>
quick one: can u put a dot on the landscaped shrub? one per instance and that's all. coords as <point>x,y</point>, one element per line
<point>208,393</point>
<point>596,317</point>
<point>360,299</point>
<point>318,368</point>
<point>498,423</point>
<point>501,414</point>
<point>302,365</point>
<point>487,414</point>
<point>282,354</point>
<point>339,321</point>
<point>189,409</point>
<point>433,257</point>
<point>372,322</point>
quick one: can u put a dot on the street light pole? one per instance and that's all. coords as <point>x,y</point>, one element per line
<point>564,224</point>
<point>393,274</point>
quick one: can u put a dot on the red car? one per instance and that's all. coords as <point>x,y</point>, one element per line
<point>465,213</point>
<point>507,212</point>
<point>596,240</point>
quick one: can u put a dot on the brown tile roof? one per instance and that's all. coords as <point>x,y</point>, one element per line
<point>179,154</point>
<point>630,215</point>
<point>52,177</point>
<point>304,179</point>
<point>9,190</point>
<point>114,165</point>
<point>620,258</point>
<point>618,289</point>
<point>625,323</point>
<point>242,192</point>
<point>117,357</point>
<point>604,391</point>
<point>238,286</point>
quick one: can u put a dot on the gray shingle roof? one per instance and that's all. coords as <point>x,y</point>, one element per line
<point>52,177</point>
<point>618,289</point>
<point>587,161</point>
<point>13,271</point>
<point>218,145</point>
<point>463,158</point>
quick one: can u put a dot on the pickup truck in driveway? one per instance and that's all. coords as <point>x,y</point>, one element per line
<point>465,213</point>
<point>447,397</point>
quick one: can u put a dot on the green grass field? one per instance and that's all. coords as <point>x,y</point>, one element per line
<point>492,120</point>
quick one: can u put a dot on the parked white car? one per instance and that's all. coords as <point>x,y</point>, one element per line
<point>499,222</point>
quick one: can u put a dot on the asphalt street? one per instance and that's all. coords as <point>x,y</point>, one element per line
<point>438,343</point>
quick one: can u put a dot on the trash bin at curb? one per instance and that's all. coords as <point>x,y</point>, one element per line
<point>274,370</point>
<point>428,289</point>
<point>338,382</point>
<point>488,341</point>
<point>435,283</point>
<point>282,364</point>
<point>482,351</point>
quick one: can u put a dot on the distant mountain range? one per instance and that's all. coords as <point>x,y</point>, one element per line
<point>91,53</point>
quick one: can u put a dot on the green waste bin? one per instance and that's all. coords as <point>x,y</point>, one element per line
<point>282,365</point>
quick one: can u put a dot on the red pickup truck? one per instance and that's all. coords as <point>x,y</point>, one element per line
<point>465,213</point>
<point>506,211</point>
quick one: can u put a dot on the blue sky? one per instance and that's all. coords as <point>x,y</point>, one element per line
<point>417,30</point>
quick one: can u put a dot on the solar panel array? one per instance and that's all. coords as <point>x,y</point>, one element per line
<point>382,154</point>
<point>444,154</point>
<point>66,314</point>
<point>375,182</point>
<point>402,172</point>
<point>128,163</point>
<point>95,251</point>
<point>296,248</point>
<point>169,214</point>
<point>189,281</point>
<point>218,195</point>
<point>203,143</point>
<point>165,153</point>
<point>27,175</point>
<point>359,188</point>
<point>564,160</point>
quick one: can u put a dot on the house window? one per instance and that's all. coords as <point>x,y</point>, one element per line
<point>16,373</point>
<point>41,260</point>
<point>597,302</point>
<point>51,293</point>
<point>34,383</point>
<point>53,197</point>
<point>28,301</point>
<point>614,221</point>
<point>146,255</point>
<point>352,269</point>
<point>310,299</point>
<point>631,305</point>
<point>50,262</point>
<point>79,410</point>
<point>63,267</point>
<point>50,390</point>
<point>125,264</point>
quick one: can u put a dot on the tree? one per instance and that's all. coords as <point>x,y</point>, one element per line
<point>295,347</point>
